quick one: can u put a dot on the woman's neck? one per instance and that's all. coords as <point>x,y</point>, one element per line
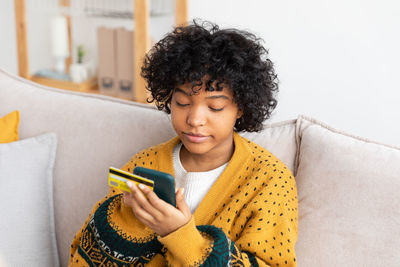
<point>205,162</point>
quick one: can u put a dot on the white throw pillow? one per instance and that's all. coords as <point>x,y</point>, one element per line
<point>27,235</point>
<point>349,199</point>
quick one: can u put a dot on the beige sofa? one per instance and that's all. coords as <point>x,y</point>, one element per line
<point>348,187</point>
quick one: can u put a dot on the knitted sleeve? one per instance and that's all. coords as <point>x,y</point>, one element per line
<point>206,245</point>
<point>76,258</point>
<point>268,237</point>
<point>100,241</point>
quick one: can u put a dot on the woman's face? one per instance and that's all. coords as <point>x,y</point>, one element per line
<point>204,120</point>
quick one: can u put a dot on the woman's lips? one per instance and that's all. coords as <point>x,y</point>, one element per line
<point>195,138</point>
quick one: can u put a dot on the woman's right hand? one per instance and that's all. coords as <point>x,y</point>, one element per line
<point>158,215</point>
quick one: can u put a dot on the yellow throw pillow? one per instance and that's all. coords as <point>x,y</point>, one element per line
<point>9,127</point>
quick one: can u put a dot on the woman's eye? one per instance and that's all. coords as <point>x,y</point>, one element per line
<point>181,104</point>
<point>216,109</point>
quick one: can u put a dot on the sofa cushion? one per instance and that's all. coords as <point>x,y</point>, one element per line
<point>9,127</point>
<point>26,202</point>
<point>280,139</point>
<point>349,199</point>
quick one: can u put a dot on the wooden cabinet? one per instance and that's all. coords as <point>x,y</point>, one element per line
<point>141,45</point>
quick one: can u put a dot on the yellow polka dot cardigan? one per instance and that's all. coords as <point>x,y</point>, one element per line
<point>247,218</point>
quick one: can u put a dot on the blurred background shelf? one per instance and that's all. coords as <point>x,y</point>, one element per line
<point>136,13</point>
<point>89,86</point>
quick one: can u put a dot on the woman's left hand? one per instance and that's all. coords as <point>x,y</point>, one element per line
<point>154,212</point>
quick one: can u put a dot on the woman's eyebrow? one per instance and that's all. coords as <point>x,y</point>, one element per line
<point>181,91</point>
<point>208,97</point>
<point>217,96</point>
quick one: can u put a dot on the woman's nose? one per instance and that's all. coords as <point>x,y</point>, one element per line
<point>196,117</point>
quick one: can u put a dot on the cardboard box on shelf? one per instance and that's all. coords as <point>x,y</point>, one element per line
<point>124,58</point>
<point>107,69</point>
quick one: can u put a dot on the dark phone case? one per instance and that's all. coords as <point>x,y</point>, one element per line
<point>164,183</point>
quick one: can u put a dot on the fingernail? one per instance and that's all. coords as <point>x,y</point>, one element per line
<point>182,190</point>
<point>142,186</point>
<point>129,184</point>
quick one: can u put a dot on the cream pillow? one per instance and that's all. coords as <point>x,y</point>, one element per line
<point>349,199</point>
<point>27,236</point>
<point>279,138</point>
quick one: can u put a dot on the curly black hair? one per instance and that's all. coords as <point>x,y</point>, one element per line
<point>229,56</point>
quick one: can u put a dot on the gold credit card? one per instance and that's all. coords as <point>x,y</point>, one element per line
<point>117,178</point>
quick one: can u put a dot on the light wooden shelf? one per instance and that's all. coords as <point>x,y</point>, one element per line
<point>88,86</point>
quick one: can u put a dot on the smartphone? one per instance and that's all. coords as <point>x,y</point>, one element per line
<point>164,183</point>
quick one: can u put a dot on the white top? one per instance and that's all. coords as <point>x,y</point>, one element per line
<point>196,184</point>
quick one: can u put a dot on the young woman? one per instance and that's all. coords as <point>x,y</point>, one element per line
<point>236,203</point>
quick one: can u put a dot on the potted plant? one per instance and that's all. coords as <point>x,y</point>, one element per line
<point>78,71</point>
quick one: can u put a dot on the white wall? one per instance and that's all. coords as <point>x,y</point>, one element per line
<point>338,61</point>
<point>8,48</point>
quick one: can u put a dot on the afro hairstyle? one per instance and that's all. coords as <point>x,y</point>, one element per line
<point>231,57</point>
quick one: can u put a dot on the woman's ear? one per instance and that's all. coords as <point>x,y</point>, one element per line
<point>239,114</point>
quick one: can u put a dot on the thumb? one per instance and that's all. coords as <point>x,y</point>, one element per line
<point>181,203</point>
